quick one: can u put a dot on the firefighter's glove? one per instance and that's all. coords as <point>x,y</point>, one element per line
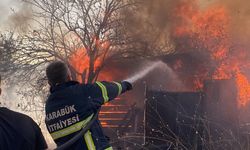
<point>128,85</point>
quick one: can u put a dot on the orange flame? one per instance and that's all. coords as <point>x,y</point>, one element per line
<point>80,59</point>
<point>243,86</point>
<point>210,31</point>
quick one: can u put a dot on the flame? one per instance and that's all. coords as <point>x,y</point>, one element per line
<point>79,60</point>
<point>243,86</point>
<point>198,84</point>
<point>103,123</point>
<point>178,64</point>
<point>209,31</point>
<point>222,72</point>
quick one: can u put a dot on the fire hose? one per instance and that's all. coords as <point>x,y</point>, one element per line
<point>80,134</point>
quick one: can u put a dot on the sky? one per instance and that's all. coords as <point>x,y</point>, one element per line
<point>6,9</point>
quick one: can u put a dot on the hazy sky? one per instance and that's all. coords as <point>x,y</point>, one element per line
<point>7,5</point>
<point>5,9</point>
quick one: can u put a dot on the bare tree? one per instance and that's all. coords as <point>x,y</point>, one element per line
<point>6,42</point>
<point>62,28</point>
<point>91,30</point>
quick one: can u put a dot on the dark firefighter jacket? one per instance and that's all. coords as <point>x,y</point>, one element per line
<point>19,132</point>
<point>71,105</point>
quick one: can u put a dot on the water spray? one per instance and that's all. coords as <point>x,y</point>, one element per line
<point>145,70</point>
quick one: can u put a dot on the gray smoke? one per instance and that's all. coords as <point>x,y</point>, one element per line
<point>149,23</point>
<point>15,15</point>
<point>21,18</point>
<point>239,12</point>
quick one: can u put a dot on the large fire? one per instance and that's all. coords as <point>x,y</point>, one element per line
<point>209,32</point>
<point>80,60</point>
<point>200,30</point>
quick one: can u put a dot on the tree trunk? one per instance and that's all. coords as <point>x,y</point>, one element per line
<point>91,75</point>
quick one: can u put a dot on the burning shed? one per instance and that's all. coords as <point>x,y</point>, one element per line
<point>194,120</point>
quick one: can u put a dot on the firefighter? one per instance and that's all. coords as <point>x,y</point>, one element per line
<point>71,105</point>
<point>19,132</point>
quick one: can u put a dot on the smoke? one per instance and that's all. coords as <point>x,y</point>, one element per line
<point>151,16</point>
<point>15,15</point>
<point>150,23</point>
<point>216,32</point>
<point>240,14</point>
<point>20,19</point>
<point>154,21</point>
